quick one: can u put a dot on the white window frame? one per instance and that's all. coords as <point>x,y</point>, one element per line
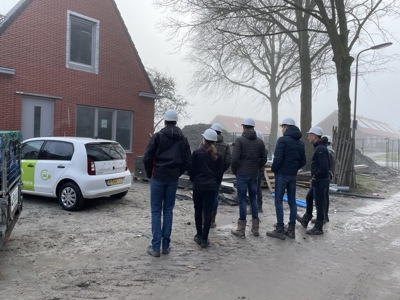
<point>94,67</point>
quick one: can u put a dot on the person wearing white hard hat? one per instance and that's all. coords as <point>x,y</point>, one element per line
<point>320,172</point>
<point>248,157</point>
<point>289,158</point>
<point>225,151</point>
<point>326,140</point>
<point>165,160</point>
<point>205,169</point>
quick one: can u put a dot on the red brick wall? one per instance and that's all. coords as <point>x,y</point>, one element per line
<point>35,46</point>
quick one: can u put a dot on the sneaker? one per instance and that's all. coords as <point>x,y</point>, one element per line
<point>314,231</point>
<point>166,250</point>
<point>205,243</point>
<point>152,252</point>
<point>197,239</point>
<point>279,234</point>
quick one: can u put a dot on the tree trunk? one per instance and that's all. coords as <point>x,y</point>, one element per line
<point>305,94</point>
<point>274,122</point>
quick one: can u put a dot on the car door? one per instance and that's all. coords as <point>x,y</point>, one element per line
<point>29,158</point>
<point>53,161</point>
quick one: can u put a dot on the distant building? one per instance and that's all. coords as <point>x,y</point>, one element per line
<point>369,133</point>
<point>234,124</point>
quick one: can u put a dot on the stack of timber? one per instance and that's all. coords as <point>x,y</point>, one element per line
<point>269,177</point>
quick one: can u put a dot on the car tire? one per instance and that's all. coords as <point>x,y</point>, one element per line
<point>70,197</point>
<point>119,195</point>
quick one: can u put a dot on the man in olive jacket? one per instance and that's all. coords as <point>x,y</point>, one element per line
<point>248,157</point>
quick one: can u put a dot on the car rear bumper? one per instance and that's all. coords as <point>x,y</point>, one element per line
<point>98,188</point>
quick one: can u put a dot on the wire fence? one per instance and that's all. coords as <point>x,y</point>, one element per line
<point>384,151</point>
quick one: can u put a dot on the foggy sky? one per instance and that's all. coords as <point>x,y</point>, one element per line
<point>377,94</point>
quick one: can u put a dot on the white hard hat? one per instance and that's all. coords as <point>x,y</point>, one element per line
<point>288,121</point>
<point>249,122</point>
<point>170,115</point>
<point>329,138</point>
<point>316,130</point>
<point>210,135</point>
<point>259,134</point>
<point>216,127</point>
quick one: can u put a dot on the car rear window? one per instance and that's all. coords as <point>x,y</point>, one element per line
<point>105,151</point>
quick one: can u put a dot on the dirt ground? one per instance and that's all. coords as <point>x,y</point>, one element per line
<point>100,252</point>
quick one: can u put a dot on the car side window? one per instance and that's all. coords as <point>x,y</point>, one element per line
<point>56,150</point>
<point>30,150</point>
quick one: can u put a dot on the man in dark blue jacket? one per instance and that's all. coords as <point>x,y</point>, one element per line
<point>289,157</point>
<point>165,159</point>
<point>320,172</point>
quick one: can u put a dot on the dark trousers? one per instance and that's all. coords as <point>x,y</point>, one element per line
<point>203,203</point>
<point>310,199</point>
<point>318,191</point>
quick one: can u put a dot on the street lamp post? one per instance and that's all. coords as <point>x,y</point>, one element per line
<point>376,47</point>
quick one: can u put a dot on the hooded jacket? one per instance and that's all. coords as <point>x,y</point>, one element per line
<point>167,154</point>
<point>249,154</point>
<point>289,155</point>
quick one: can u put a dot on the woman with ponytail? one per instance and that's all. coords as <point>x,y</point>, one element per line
<point>205,170</point>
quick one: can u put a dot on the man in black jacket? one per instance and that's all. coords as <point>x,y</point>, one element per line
<point>320,172</point>
<point>165,159</point>
<point>248,156</point>
<point>289,157</point>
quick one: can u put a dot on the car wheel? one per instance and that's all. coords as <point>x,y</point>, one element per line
<point>70,197</point>
<point>119,195</point>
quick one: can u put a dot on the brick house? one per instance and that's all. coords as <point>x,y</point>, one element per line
<point>70,68</point>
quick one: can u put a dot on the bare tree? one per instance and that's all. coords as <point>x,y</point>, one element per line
<point>165,87</point>
<point>267,66</point>
<point>343,22</point>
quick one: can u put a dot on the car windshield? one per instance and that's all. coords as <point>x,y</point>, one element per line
<point>105,151</point>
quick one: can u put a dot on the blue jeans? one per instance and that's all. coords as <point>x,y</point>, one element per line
<point>215,204</point>
<point>162,201</point>
<point>244,184</point>
<point>282,183</point>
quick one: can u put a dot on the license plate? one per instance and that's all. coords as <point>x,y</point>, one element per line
<point>14,198</point>
<point>114,181</point>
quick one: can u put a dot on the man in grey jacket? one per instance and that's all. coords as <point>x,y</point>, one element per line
<point>248,156</point>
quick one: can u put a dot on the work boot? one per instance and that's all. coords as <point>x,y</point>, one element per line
<point>260,210</point>
<point>197,238</point>
<point>205,243</point>
<point>290,232</point>
<point>278,232</point>
<point>315,220</point>
<point>213,216</point>
<point>255,225</point>
<point>317,229</point>
<point>304,220</point>
<point>153,252</point>
<point>241,229</point>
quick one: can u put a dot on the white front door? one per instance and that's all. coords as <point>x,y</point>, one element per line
<point>37,117</point>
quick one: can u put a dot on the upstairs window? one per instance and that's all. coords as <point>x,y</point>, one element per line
<point>82,43</point>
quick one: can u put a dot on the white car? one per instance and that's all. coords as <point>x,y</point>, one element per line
<point>73,169</point>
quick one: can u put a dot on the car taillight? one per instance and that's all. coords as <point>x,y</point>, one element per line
<point>91,168</point>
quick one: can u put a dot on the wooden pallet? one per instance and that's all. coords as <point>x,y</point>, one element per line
<point>269,178</point>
